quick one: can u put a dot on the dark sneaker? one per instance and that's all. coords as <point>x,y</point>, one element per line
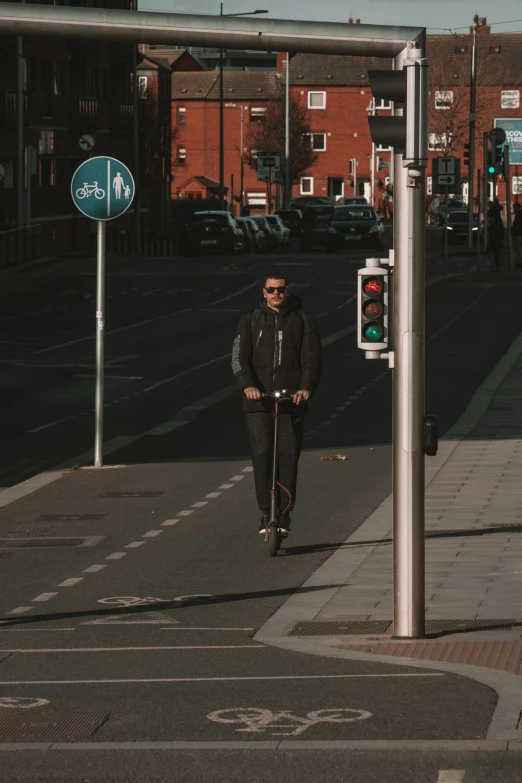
<point>263,524</point>
<point>285,524</point>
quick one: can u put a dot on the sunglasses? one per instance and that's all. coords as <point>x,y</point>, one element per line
<point>272,289</point>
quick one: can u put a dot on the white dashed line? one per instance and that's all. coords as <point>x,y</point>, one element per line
<point>168,523</point>
<point>71,582</point>
<point>20,610</point>
<point>116,556</point>
<point>451,775</point>
<point>237,478</point>
<point>152,534</point>
<point>213,494</point>
<point>200,504</point>
<point>248,470</point>
<point>94,569</point>
<point>226,486</point>
<point>134,544</point>
<point>44,597</point>
<point>184,513</point>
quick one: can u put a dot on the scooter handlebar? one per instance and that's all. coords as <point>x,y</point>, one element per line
<point>279,396</point>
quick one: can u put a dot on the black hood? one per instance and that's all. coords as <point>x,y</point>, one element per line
<point>292,303</point>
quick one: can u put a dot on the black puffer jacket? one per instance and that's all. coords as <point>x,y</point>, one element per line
<point>276,351</point>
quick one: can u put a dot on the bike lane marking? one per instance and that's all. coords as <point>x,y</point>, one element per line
<point>259,678</point>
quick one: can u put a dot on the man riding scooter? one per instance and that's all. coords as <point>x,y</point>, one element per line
<point>276,347</point>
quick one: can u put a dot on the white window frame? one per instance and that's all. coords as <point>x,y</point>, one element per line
<point>257,113</point>
<point>516,186</point>
<point>380,148</point>
<point>182,156</point>
<point>309,192</point>
<point>443,99</point>
<point>182,112</point>
<point>317,149</point>
<point>429,186</point>
<point>142,87</point>
<point>383,104</point>
<point>316,92</point>
<point>510,99</point>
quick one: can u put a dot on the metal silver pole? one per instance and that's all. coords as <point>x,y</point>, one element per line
<point>241,168</point>
<point>472,123</point>
<point>354,176</point>
<point>486,192</point>
<point>136,152</point>
<point>511,257</point>
<point>446,237</point>
<point>408,395</point>
<point>20,131</point>
<point>100,333</point>
<point>287,134</point>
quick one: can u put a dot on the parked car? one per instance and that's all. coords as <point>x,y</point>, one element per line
<point>249,234</point>
<point>353,200</point>
<point>213,231</point>
<point>301,202</point>
<point>270,237</point>
<point>292,218</point>
<point>440,207</point>
<point>356,225</point>
<point>457,225</point>
<point>258,234</point>
<point>315,228</point>
<point>282,232</point>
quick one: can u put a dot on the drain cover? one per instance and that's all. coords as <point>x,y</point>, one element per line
<point>132,494</point>
<point>350,627</point>
<point>71,517</point>
<point>51,725</point>
<point>440,626</point>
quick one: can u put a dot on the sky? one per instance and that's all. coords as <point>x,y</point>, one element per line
<point>506,15</point>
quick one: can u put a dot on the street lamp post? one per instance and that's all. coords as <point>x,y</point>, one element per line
<point>241,155</point>
<point>222,113</point>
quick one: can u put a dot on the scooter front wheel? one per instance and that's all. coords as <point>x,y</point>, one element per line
<point>274,540</point>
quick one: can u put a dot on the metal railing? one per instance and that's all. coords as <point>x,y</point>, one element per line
<point>19,244</point>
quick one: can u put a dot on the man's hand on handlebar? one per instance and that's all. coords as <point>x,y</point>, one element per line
<point>301,396</point>
<point>252,393</point>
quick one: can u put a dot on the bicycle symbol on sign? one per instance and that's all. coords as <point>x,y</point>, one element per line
<point>88,190</point>
<point>259,721</point>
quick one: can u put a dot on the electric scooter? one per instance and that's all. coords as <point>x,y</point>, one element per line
<point>273,535</point>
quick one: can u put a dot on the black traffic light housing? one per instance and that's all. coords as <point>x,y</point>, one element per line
<point>372,308</point>
<point>467,148</point>
<point>390,86</point>
<point>496,153</point>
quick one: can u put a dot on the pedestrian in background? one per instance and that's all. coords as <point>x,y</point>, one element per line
<point>516,231</point>
<point>495,232</point>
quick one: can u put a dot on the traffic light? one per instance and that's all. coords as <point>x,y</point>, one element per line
<point>496,153</point>
<point>372,300</point>
<point>467,148</point>
<point>408,89</point>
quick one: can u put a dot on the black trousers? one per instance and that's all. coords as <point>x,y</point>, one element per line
<point>290,441</point>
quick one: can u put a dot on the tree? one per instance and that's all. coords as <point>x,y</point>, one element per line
<point>268,135</point>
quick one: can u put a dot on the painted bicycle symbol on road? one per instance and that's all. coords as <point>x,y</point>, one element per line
<point>88,190</point>
<point>259,721</point>
<point>134,600</point>
<point>21,702</point>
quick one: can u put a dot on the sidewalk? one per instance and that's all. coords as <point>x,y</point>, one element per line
<point>473,558</point>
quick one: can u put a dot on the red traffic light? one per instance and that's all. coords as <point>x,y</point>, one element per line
<point>373,286</point>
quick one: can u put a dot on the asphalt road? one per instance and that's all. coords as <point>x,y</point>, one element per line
<point>158,642</point>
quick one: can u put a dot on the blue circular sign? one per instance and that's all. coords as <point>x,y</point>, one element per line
<point>102,188</point>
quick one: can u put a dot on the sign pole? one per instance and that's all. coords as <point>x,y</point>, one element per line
<point>446,189</point>
<point>479,180</point>
<point>100,361</point>
<point>507,179</point>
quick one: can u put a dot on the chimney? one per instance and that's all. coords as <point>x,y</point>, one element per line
<point>483,28</point>
<point>350,20</point>
<point>357,21</point>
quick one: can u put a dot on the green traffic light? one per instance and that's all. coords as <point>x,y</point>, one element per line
<point>373,333</point>
<point>491,170</point>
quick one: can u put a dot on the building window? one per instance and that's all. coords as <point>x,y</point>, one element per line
<point>380,148</point>
<point>443,99</point>
<point>510,99</point>
<point>58,88</point>
<point>517,185</point>
<point>318,141</point>
<point>307,186</point>
<point>317,100</point>
<point>182,156</point>
<point>253,155</point>
<point>182,116</point>
<point>429,186</point>
<point>257,113</point>
<point>437,142</point>
<point>382,103</point>
<point>46,142</point>
<point>495,49</point>
<point>461,49</point>
<point>47,172</point>
<point>142,87</point>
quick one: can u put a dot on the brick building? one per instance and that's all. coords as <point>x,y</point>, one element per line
<point>70,88</point>
<point>336,91</point>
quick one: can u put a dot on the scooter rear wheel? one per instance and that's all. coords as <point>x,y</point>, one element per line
<point>274,540</point>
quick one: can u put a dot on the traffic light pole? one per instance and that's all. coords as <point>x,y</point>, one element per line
<point>408,391</point>
<point>507,178</point>
<point>486,189</point>
<point>472,123</point>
